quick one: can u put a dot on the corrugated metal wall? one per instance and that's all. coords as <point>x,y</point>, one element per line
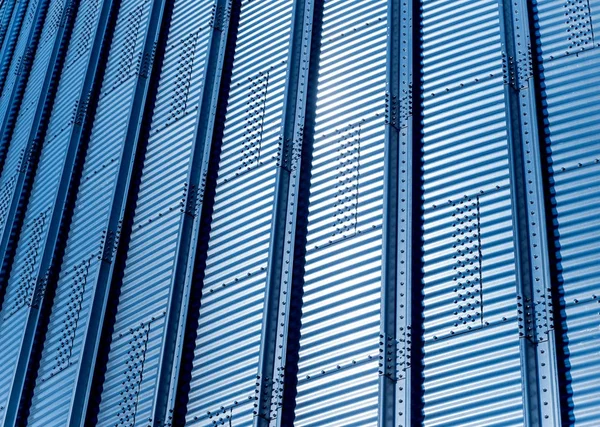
<point>299,212</point>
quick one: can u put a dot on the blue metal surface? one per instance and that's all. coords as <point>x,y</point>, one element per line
<point>42,220</point>
<point>268,405</point>
<point>471,355</point>
<point>534,302</point>
<point>23,12</point>
<point>86,271</point>
<point>400,222</point>
<point>22,135</point>
<point>301,212</point>
<point>6,13</point>
<point>226,362</point>
<point>163,218</point>
<point>338,368</point>
<point>570,60</point>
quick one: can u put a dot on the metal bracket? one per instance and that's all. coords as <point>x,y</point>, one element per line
<point>189,202</point>
<point>109,243</point>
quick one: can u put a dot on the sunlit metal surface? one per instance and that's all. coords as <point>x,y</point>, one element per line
<point>571,61</point>
<point>299,212</point>
<point>225,366</point>
<point>339,345</point>
<point>471,344</point>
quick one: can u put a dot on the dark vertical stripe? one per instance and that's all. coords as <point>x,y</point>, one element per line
<point>415,338</point>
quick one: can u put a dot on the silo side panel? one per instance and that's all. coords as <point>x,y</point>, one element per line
<point>226,357</point>
<point>338,368</point>
<point>15,22</point>
<point>19,145</point>
<point>22,51</point>
<point>147,280</point>
<point>471,356</point>
<point>89,232</point>
<point>570,57</point>
<point>20,298</point>
<point>6,14</point>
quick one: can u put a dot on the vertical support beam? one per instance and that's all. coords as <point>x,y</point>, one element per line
<point>564,387</point>
<point>389,345</point>
<point>401,225</point>
<point>537,340</point>
<point>53,246</point>
<point>226,14</point>
<point>270,377</point>
<point>121,204</point>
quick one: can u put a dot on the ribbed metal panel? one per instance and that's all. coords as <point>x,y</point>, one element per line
<point>6,12</point>
<point>146,285</point>
<point>13,34</point>
<point>566,27</point>
<point>299,212</point>
<point>471,340</point>
<point>338,371</point>
<point>19,298</point>
<point>227,348</point>
<point>20,142</point>
<point>89,230</point>
<point>571,93</point>
<point>22,51</point>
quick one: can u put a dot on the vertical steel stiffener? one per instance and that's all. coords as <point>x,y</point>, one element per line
<point>534,285</point>
<point>400,231</point>
<point>283,232</point>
